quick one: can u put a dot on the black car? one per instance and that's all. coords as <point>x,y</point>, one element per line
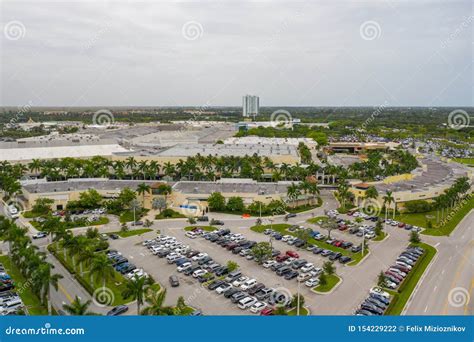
<point>118,310</point>
<point>221,271</point>
<point>335,256</point>
<point>114,236</point>
<point>217,222</point>
<point>283,270</point>
<point>255,289</point>
<point>237,250</point>
<point>215,284</point>
<point>205,278</point>
<point>174,281</point>
<point>290,275</point>
<point>203,218</point>
<point>230,292</point>
<point>191,270</point>
<point>288,216</point>
<point>275,253</point>
<point>344,259</point>
<point>205,260</point>
<point>298,243</point>
<point>346,244</point>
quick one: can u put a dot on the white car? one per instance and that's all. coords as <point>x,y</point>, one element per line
<point>198,273</point>
<point>307,267</point>
<point>137,272</point>
<point>369,235</point>
<point>390,284</point>
<point>172,257</point>
<point>316,271</point>
<point>248,284</point>
<point>379,291</point>
<point>257,307</point>
<point>269,263</point>
<point>312,282</point>
<point>285,238</point>
<point>246,302</point>
<point>240,281</point>
<point>191,235</point>
<point>304,276</point>
<point>199,256</point>
<point>223,288</point>
<point>184,267</point>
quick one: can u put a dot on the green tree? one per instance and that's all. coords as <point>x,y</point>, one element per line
<point>381,280</point>
<point>294,300</point>
<point>323,279</point>
<point>414,237</point>
<point>232,265</point>
<point>78,308</point>
<point>378,228</point>
<point>90,199</point>
<point>136,289</point>
<point>42,206</point>
<point>156,307</point>
<point>216,201</point>
<point>328,267</point>
<point>235,204</point>
<point>262,251</point>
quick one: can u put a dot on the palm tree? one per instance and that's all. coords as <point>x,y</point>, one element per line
<point>142,189</point>
<point>155,301</point>
<point>46,279</point>
<point>102,266</point>
<point>387,200</point>
<point>77,308</point>
<point>293,192</point>
<point>136,289</point>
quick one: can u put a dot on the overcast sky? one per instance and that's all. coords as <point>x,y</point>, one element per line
<point>306,53</point>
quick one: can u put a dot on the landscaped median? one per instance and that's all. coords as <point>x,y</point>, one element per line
<point>132,232</point>
<point>401,296</point>
<point>23,288</point>
<point>294,312</point>
<point>205,228</point>
<point>116,283</point>
<point>282,228</point>
<point>332,282</point>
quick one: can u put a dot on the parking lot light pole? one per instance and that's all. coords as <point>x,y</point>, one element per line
<point>363,241</point>
<point>298,300</point>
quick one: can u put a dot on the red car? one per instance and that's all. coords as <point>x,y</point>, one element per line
<point>401,225</point>
<point>266,312</point>
<point>282,257</point>
<point>342,227</point>
<point>292,254</point>
<point>338,243</point>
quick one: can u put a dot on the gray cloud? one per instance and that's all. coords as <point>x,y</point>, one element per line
<point>80,53</point>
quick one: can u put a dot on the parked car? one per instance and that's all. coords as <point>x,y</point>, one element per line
<point>118,310</point>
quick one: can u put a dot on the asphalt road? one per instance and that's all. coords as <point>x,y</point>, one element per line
<point>447,287</point>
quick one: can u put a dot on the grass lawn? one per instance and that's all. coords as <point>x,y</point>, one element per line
<point>380,237</point>
<point>116,284</point>
<point>303,312</point>
<point>453,222</point>
<point>127,216</point>
<point>332,280</point>
<point>467,161</point>
<point>131,232</point>
<point>315,220</point>
<point>31,301</point>
<point>205,228</point>
<point>169,213</point>
<point>30,214</point>
<point>282,228</point>
<point>419,219</point>
<point>401,296</point>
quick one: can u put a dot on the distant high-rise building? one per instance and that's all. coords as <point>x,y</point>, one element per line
<point>250,105</point>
